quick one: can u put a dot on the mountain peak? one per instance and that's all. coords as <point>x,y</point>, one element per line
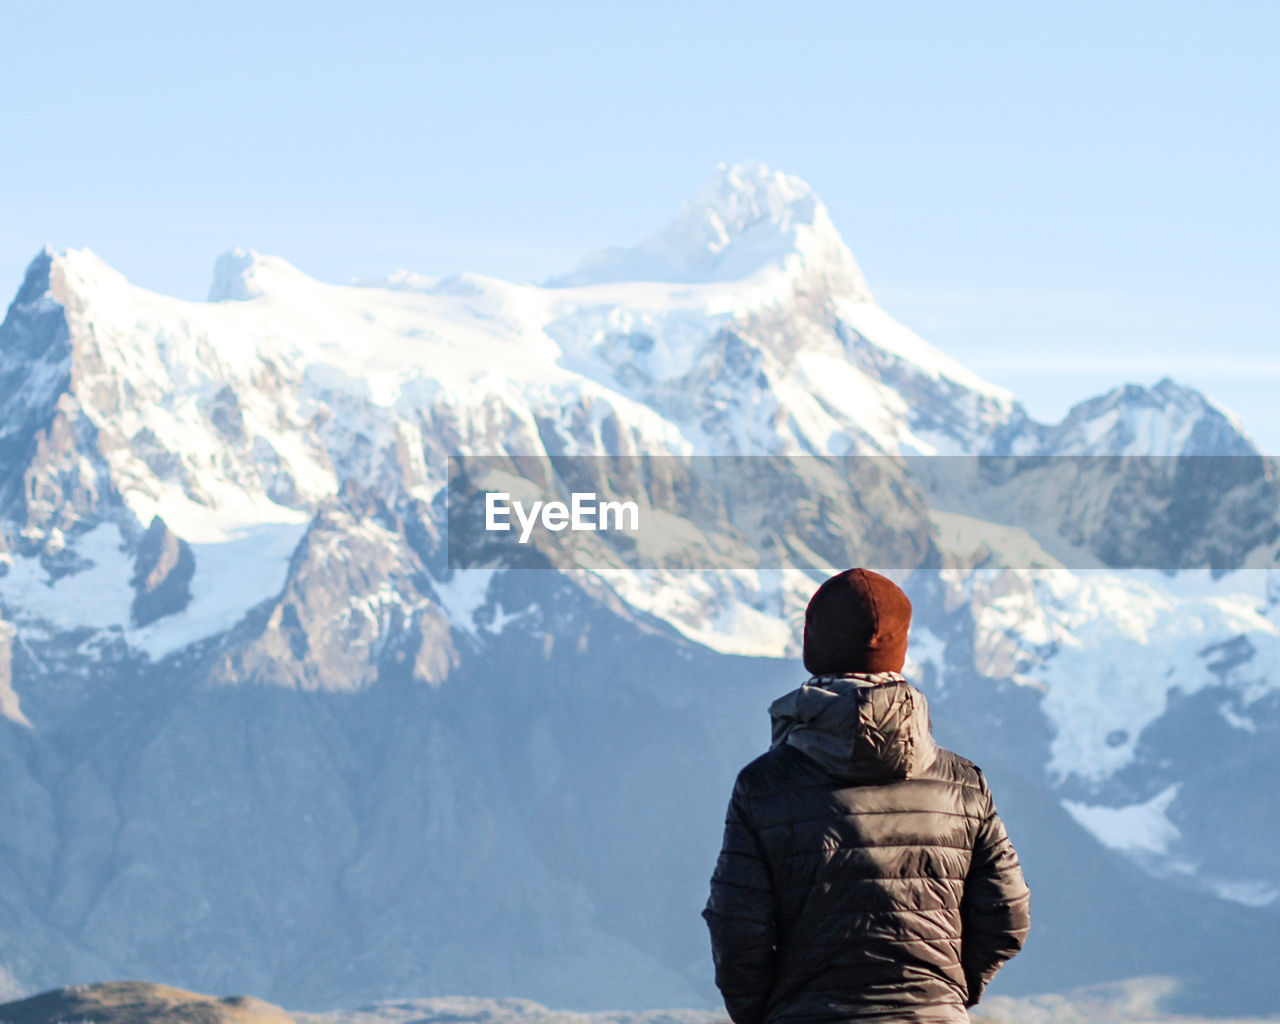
<point>54,273</point>
<point>737,198</point>
<point>746,218</point>
<point>1167,418</point>
<point>243,274</point>
<point>35,282</point>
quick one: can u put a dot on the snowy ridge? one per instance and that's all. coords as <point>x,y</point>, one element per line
<point>1164,420</point>
<point>253,408</point>
<point>243,274</point>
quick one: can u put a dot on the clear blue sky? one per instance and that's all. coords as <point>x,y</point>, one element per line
<point>1064,196</point>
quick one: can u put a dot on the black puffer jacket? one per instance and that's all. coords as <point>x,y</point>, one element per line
<point>865,875</point>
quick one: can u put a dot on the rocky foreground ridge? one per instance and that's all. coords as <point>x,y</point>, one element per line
<point>136,1002</point>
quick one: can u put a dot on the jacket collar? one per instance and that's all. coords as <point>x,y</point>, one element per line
<point>861,727</point>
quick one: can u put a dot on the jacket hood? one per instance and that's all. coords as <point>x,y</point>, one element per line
<point>865,728</point>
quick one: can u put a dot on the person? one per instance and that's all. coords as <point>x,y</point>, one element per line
<point>865,874</point>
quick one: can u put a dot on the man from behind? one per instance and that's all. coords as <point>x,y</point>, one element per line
<point>864,875</point>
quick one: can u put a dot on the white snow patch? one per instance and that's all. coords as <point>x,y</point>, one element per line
<point>232,513</point>
<point>502,619</point>
<point>825,380</point>
<point>925,648</point>
<point>464,595</point>
<point>720,610</point>
<point>1117,645</point>
<point>98,597</point>
<point>740,629</point>
<point>881,330</point>
<point>1235,720</point>
<point>1249,892</point>
<point>230,578</point>
<point>1137,828</point>
<point>972,542</point>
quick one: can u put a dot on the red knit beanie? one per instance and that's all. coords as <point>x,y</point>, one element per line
<point>856,622</point>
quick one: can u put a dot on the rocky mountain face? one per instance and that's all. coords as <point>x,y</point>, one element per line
<point>277,717</point>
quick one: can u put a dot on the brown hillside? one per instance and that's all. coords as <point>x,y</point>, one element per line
<point>138,1002</point>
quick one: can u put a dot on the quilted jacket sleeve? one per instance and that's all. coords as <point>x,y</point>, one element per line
<point>740,916</point>
<point>995,910</point>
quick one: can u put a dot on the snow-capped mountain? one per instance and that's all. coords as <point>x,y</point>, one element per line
<point>747,221</point>
<point>269,722</point>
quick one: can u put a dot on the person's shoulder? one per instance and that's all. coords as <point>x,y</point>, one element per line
<point>951,767</point>
<point>778,768</point>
